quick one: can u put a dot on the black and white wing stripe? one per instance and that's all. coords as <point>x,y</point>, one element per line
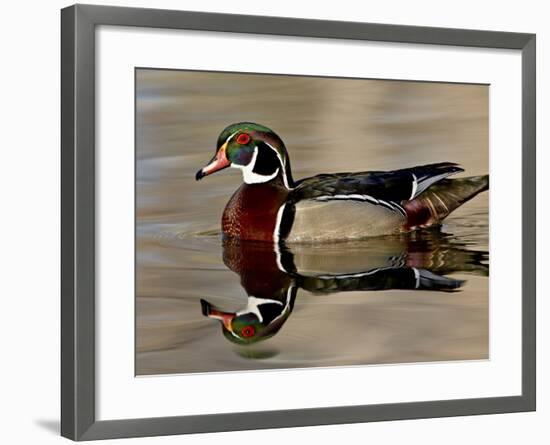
<point>391,205</point>
<point>422,183</point>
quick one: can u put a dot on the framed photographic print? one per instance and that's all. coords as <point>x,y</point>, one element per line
<point>273,222</point>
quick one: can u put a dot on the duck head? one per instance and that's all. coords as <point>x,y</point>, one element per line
<point>254,149</point>
<point>259,320</point>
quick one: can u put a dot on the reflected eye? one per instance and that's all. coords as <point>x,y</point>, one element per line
<point>248,331</point>
<point>243,138</point>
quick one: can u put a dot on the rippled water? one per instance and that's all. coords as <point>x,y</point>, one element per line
<point>352,303</point>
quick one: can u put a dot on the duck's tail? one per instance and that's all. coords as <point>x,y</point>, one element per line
<point>436,203</point>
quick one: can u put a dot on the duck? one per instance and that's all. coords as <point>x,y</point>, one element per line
<point>273,275</point>
<point>271,206</point>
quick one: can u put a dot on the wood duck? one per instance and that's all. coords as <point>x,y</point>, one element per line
<point>271,206</point>
<point>271,276</point>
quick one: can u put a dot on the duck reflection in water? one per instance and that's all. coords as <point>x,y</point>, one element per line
<point>272,275</point>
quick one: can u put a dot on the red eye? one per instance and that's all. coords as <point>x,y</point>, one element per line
<point>248,331</point>
<point>243,138</point>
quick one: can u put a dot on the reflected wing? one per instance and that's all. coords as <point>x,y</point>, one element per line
<point>381,279</point>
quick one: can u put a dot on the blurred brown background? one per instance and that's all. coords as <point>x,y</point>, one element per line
<point>328,125</point>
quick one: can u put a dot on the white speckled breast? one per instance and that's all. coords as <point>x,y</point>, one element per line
<point>316,221</point>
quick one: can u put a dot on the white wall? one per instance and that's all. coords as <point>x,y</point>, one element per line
<point>29,218</point>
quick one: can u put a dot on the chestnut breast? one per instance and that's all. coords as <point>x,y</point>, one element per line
<point>251,213</point>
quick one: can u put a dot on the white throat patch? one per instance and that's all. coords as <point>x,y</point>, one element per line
<point>253,304</point>
<point>249,176</point>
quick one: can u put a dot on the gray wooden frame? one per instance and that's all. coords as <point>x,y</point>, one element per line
<point>78,421</point>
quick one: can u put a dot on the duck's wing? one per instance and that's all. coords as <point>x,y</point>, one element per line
<point>387,188</point>
<point>405,278</point>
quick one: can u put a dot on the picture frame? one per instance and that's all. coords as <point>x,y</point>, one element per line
<point>78,216</point>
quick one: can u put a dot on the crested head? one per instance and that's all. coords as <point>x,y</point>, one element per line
<point>254,149</point>
<point>261,319</point>
<point>256,132</point>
